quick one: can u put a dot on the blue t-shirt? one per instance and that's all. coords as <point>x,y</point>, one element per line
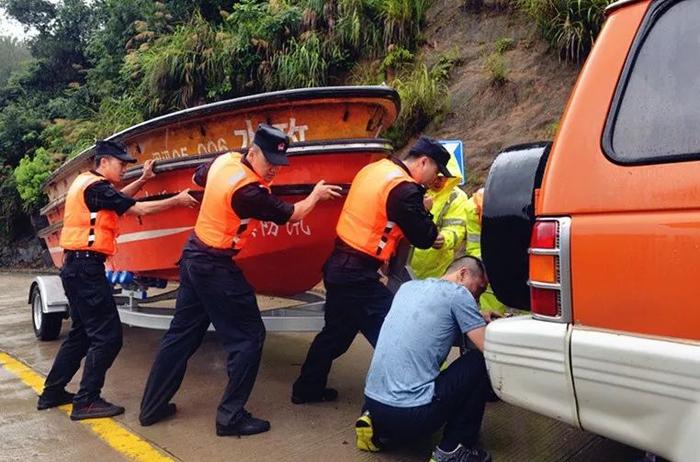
<point>425,318</point>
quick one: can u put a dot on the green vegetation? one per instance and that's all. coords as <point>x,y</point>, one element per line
<point>569,26</point>
<point>495,63</point>
<point>503,44</point>
<point>424,96</point>
<point>497,69</point>
<point>13,55</point>
<point>97,67</point>
<point>31,173</point>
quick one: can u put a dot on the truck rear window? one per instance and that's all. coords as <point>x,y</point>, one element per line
<point>657,115</point>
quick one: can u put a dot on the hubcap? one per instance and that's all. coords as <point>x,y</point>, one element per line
<point>36,310</point>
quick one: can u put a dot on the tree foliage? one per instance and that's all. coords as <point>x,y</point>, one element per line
<point>99,66</point>
<point>13,55</point>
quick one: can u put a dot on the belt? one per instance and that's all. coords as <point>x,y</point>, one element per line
<point>70,255</point>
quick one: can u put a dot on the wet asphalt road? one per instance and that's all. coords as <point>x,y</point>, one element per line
<point>319,432</point>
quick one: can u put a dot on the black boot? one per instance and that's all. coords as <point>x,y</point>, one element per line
<point>95,410</point>
<point>328,394</point>
<point>245,425</point>
<point>47,401</point>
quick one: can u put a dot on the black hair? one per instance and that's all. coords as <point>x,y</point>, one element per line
<point>474,265</point>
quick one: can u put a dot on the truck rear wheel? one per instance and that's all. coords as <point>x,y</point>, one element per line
<point>47,326</point>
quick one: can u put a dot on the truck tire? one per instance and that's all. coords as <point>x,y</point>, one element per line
<point>47,326</point>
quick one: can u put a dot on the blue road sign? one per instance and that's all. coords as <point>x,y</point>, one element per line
<point>456,149</point>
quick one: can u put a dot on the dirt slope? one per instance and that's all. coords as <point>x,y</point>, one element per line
<point>489,117</point>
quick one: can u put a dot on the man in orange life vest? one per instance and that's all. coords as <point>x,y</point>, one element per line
<point>88,236</point>
<point>385,203</point>
<point>212,287</point>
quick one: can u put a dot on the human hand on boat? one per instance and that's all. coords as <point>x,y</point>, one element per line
<point>428,203</point>
<point>439,242</point>
<point>185,199</point>
<point>324,192</point>
<point>148,172</point>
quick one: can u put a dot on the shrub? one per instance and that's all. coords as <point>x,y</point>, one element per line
<point>30,174</point>
<point>424,96</point>
<point>497,69</point>
<point>402,21</point>
<point>395,61</point>
<point>301,64</point>
<point>569,26</point>
<point>366,73</point>
<point>503,44</point>
<point>11,217</point>
<point>173,73</point>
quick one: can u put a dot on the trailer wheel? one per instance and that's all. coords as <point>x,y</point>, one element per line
<point>47,326</point>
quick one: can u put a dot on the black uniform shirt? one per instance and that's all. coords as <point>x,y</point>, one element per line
<point>250,201</point>
<point>102,195</point>
<point>404,207</point>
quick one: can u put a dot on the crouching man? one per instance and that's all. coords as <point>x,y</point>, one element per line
<point>406,395</point>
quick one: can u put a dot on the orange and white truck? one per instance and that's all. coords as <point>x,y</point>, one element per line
<point>598,235</point>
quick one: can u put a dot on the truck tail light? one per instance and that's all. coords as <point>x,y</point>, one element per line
<point>549,276</point>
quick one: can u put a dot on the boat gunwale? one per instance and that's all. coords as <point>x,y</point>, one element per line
<point>311,148</point>
<point>53,227</point>
<point>380,92</point>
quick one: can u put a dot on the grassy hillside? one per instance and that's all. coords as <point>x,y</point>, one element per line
<point>507,87</point>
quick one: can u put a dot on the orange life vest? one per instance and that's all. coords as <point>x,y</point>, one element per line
<point>363,223</point>
<point>217,224</point>
<point>83,229</point>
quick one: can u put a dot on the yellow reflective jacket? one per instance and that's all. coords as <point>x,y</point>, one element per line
<point>450,215</point>
<point>488,300</point>
<point>473,228</point>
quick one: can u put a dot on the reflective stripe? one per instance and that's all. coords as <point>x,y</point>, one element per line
<point>453,222</point>
<point>245,221</point>
<point>382,244</point>
<point>474,237</point>
<point>236,177</point>
<point>91,238</point>
<point>390,224</point>
<point>93,215</point>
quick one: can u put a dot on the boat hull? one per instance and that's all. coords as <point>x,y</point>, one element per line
<point>334,132</point>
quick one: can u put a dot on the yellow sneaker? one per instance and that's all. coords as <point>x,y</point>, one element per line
<point>365,434</point>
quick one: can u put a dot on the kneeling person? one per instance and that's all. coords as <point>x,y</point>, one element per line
<point>406,395</point>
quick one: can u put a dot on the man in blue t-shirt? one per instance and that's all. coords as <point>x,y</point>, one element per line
<point>406,395</point>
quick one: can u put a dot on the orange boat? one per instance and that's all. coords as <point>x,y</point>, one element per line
<point>334,132</point>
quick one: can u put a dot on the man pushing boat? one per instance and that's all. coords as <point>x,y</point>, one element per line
<point>88,237</point>
<point>212,287</point>
<point>385,203</point>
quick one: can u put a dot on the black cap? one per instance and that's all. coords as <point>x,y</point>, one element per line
<point>273,143</point>
<point>429,147</point>
<point>114,149</point>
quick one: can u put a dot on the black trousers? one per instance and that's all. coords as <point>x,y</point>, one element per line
<point>458,403</point>
<point>211,291</point>
<point>360,306</point>
<point>95,334</point>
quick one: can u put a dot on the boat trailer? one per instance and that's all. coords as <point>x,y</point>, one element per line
<point>297,313</point>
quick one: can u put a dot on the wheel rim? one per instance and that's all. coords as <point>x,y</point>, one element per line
<point>36,310</point>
